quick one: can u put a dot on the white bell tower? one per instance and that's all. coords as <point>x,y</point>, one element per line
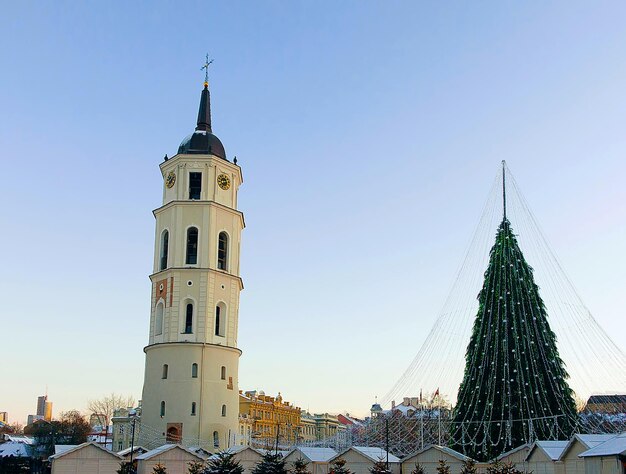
<point>190,393</point>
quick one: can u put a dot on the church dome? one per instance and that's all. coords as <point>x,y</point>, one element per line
<point>202,142</point>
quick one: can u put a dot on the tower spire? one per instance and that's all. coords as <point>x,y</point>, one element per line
<point>504,188</point>
<point>204,112</point>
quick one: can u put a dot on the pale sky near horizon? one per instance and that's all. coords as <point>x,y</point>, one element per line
<point>369,134</point>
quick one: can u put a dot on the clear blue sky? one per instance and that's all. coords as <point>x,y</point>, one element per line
<point>369,134</point>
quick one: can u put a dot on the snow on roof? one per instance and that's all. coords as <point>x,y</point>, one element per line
<point>611,447</point>
<point>13,448</point>
<point>588,440</point>
<point>126,451</point>
<point>19,439</point>
<point>263,451</point>
<point>317,454</point>
<point>514,450</point>
<point>63,449</point>
<point>375,454</point>
<point>552,449</point>
<point>165,448</point>
<point>443,449</point>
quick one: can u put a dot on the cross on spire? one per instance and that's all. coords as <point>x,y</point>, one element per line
<point>207,63</point>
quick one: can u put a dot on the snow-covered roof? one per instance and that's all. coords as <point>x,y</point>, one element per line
<point>552,449</point>
<point>73,448</point>
<point>61,448</point>
<point>443,449</point>
<point>13,448</point>
<point>263,451</point>
<point>126,451</point>
<point>19,439</point>
<point>587,440</point>
<point>316,454</point>
<point>164,449</point>
<point>513,451</point>
<point>611,447</point>
<point>373,453</point>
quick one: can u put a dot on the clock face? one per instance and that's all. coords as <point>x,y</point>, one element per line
<point>223,181</point>
<point>171,179</point>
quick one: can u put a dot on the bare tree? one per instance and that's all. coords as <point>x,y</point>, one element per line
<point>105,406</point>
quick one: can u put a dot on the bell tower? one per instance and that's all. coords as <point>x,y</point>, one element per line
<point>190,392</point>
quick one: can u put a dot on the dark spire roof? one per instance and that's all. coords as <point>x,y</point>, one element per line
<point>204,112</point>
<point>202,141</point>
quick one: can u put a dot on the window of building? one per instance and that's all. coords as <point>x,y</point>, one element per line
<point>193,408</point>
<point>223,373</point>
<point>195,185</point>
<point>165,237</point>
<point>192,246</point>
<point>220,322</point>
<point>216,439</point>
<point>194,370</point>
<point>164,375</point>
<point>189,318</point>
<point>222,251</point>
<point>158,319</point>
<point>119,445</point>
<point>223,410</point>
<point>162,408</point>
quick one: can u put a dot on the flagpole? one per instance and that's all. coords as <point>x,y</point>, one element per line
<point>439,413</point>
<point>421,421</point>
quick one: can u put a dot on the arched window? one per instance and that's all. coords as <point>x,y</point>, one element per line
<point>164,375</point>
<point>165,237</point>
<point>216,439</point>
<point>223,410</point>
<point>189,318</point>
<point>158,319</point>
<point>162,408</point>
<point>193,408</point>
<point>173,435</point>
<point>220,320</point>
<point>223,373</point>
<point>222,251</point>
<point>194,370</point>
<point>192,246</point>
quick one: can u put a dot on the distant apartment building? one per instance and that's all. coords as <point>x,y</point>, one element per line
<point>4,417</point>
<point>44,408</point>
<point>123,422</point>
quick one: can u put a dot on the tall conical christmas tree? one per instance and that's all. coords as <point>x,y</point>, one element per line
<point>515,386</point>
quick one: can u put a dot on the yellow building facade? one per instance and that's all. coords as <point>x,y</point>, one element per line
<point>263,419</point>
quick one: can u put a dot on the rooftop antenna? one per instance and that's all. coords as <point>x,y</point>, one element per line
<point>207,63</point>
<point>504,187</point>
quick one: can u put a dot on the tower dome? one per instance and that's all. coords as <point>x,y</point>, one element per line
<point>202,141</point>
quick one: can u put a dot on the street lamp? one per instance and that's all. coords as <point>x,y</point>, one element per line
<point>132,414</point>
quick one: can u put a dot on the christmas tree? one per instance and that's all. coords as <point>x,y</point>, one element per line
<point>195,467</point>
<point>300,467</point>
<point>270,463</point>
<point>223,463</point>
<point>159,469</point>
<point>339,467</point>
<point>418,469</point>
<point>442,467</point>
<point>125,468</point>
<point>469,467</point>
<point>380,467</point>
<point>514,389</point>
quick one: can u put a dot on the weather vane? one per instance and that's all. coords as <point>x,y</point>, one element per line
<point>207,63</point>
